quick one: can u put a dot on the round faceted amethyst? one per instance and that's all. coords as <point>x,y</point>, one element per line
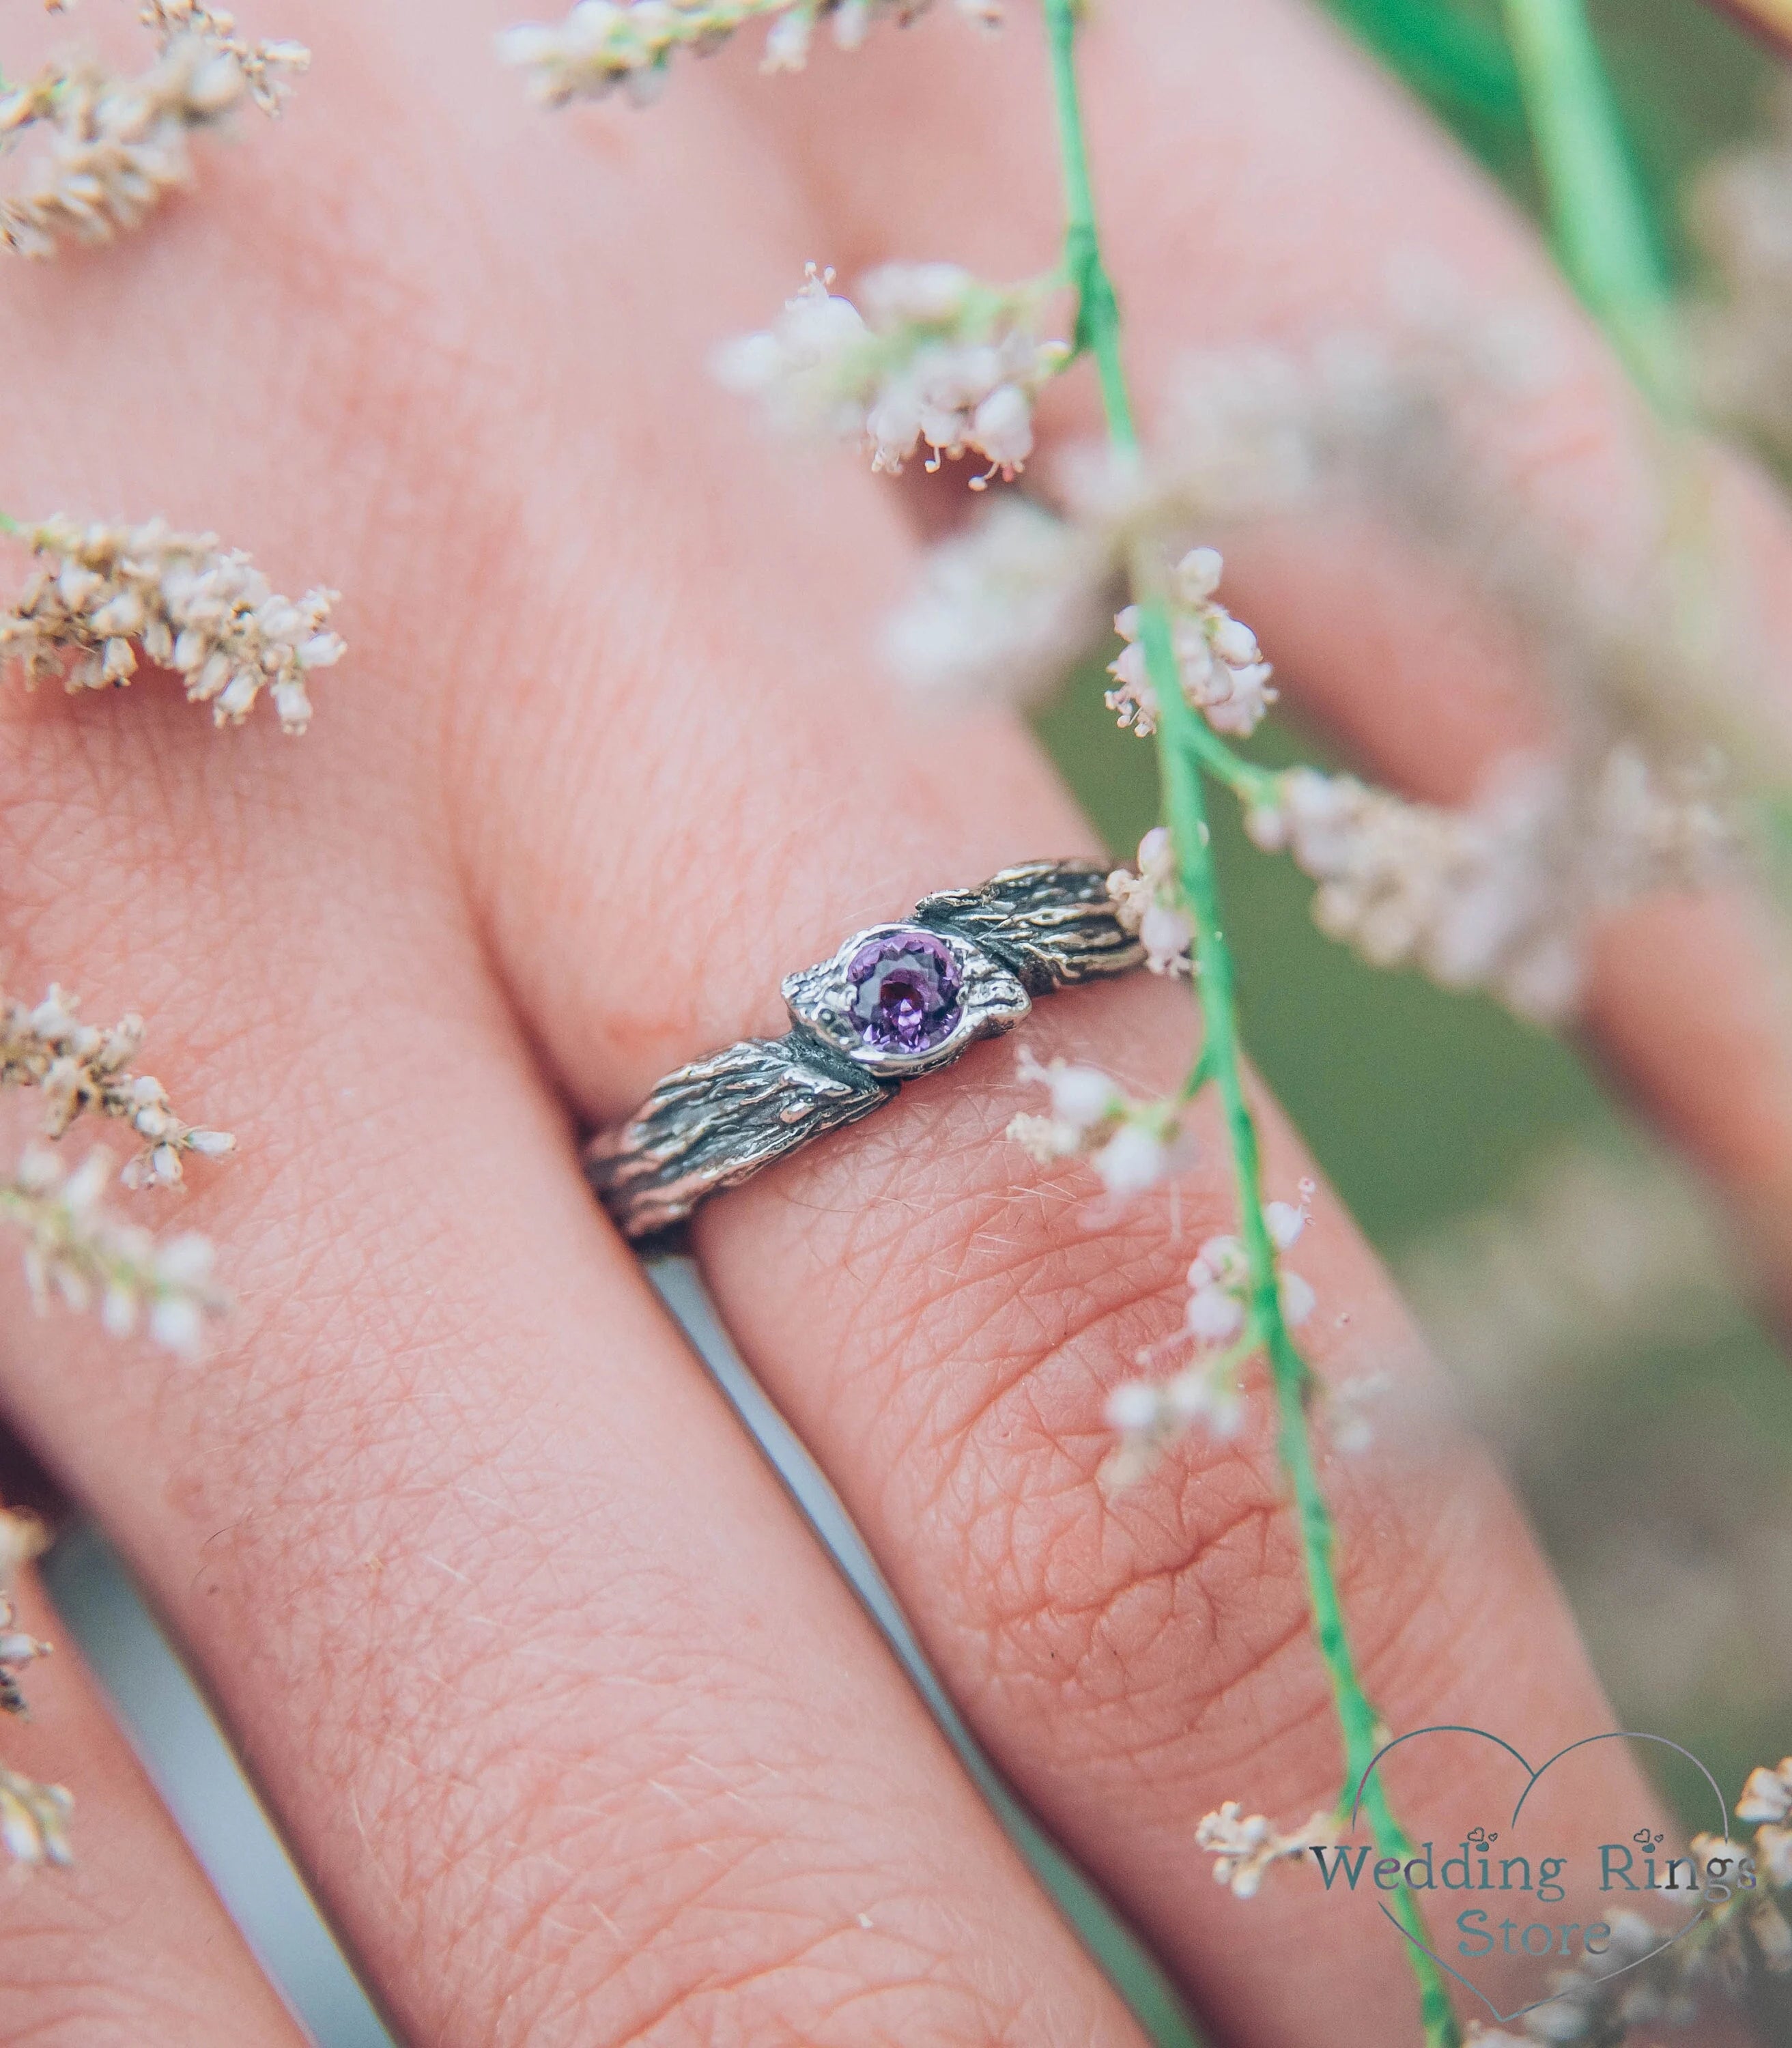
<point>906,990</point>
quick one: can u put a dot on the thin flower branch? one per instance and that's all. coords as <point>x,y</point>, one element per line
<point>935,356</point>
<point>77,1250</point>
<point>82,1069</point>
<point>1179,755</point>
<point>33,1817</point>
<point>604,44</point>
<point>23,1538</point>
<point>1496,895</point>
<point>34,1820</point>
<point>119,145</point>
<point>1650,1981</point>
<point>1220,666</point>
<point>102,592</point>
<point>1132,1144</point>
<point>1602,233</point>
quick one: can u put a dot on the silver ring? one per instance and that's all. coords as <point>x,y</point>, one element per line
<point>895,1002</point>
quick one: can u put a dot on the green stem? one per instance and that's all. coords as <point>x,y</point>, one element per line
<point>1606,243</point>
<point>1602,228</point>
<point>1185,748</point>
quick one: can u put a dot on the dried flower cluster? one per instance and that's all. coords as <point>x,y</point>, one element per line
<point>103,591</point>
<point>23,1538</point>
<point>82,1069</point>
<point>1245,1847</point>
<point>118,146</point>
<point>1149,902</point>
<point>1149,1415</point>
<point>33,1817</point>
<point>1766,1803</point>
<point>1132,1145</point>
<point>1004,609</point>
<point>934,356</point>
<point>602,44</point>
<point>34,1820</point>
<point>76,1249</point>
<point>1244,437</point>
<point>1741,214</point>
<point>1223,673</point>
<point>1496,896</point>
<point>1639,1983</point>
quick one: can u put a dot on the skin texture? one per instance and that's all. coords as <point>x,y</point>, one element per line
<point>577,1734</point>
<point>129,1948</point>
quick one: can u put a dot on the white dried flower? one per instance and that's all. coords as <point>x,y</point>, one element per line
<point>1246,1848</point>
<point>1133,1145</point>
<point>16,1650</point>
<point>1148,902</point>
<point>34,1820</point>
<point>1218,1319</point>
<point>937,357</point>
<point>1498,895</point>
<point>1220,1281</point>
<point>602,44</point>
<point>1224,676</point>
<point>268,68</point>
<point>1150,1415</point>
<point>77,1250</point>
<point>82,1069</point>
<point>1349,1404</point>
<point>23,1538</point>
<point>1768,1794</point>
<point>1285,1222</point>
<point>1005,609</point>
<point>1772,1935</point>
<point>1639,1979</point>
<point>103,591</point>
<point>118,146</point>
<point>32,1816</point>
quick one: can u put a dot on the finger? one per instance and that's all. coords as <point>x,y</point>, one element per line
<point>1132,1668</point>
<point>128,1943</point>
<point>578,1734</point>
<point>957,1335</point>
<point>1263,182</point>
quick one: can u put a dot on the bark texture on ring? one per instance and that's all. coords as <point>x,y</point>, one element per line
<point>894,1001</point>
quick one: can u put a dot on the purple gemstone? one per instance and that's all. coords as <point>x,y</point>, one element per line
<point>906,992</point>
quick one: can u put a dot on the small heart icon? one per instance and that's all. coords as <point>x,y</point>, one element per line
<point>1479,1841</point>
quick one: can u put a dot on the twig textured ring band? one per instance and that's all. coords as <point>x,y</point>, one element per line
<point>895,1002</point>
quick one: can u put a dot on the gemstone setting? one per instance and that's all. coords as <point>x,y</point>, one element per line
<point>900,1000</point>
<point>908,992</point>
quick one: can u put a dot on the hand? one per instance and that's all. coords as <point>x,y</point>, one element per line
<point>577,1733</point>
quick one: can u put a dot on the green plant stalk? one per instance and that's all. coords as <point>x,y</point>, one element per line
<point>1184,751</point>
<point>1606,241</point>
<point>1603,231</point>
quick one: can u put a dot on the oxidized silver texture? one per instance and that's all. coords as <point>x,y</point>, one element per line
<point>719,1120</point>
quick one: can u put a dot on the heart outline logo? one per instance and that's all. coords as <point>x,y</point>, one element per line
<point>1532,1776</point>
